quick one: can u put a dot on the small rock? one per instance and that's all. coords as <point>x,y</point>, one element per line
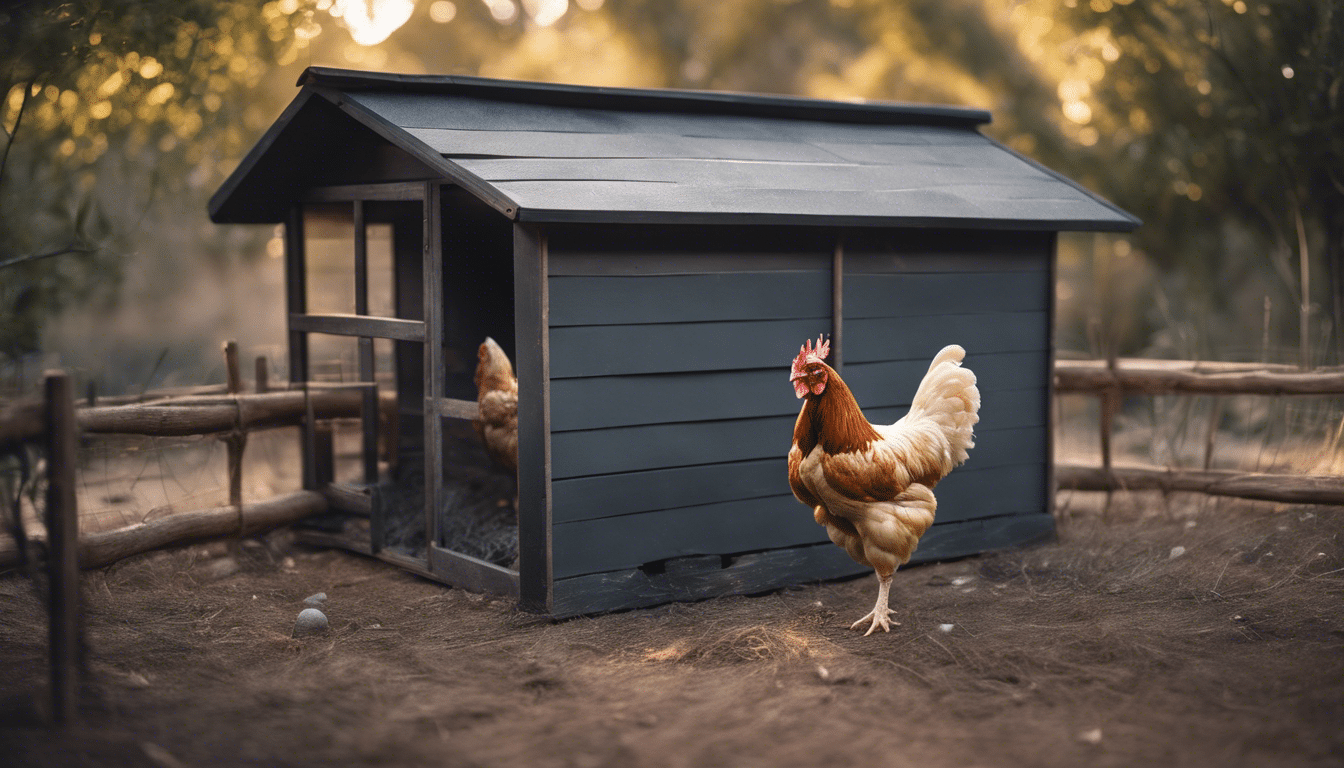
<point>1190,524</point>
<point>960,580</point>
<point>1090,737</point>
<point>823,673</point>
<point>1176,552</point>
<point>315,601</point>
<point>219,569</point>
<point>310,622</point>
<point>945,627</point>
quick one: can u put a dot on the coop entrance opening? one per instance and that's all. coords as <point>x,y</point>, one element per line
<point>448,489</point>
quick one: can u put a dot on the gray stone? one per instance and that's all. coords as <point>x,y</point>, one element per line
<point>310,622</point>
<point>315,601</point>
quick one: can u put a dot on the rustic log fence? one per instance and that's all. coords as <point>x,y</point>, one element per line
<point>1109,380</point>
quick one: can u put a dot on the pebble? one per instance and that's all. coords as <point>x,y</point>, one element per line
<point>315,601</point>
<point>960,580</point>
<point>946,627</point>
<point>1090,737</point>
<point>1176,552</point>
<point>310,622</point>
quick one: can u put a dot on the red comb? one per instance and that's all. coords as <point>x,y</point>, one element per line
<point>807,353</point>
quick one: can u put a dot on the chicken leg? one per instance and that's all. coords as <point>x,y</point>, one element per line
<point>881,611</point>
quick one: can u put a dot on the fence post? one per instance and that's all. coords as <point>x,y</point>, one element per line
<point>263,375</point>
<point>235,441</point>
<point>62,520</point>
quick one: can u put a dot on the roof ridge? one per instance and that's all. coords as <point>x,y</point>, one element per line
<point>652,99</point>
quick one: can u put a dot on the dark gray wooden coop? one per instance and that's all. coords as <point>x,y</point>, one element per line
<point>652,260</point>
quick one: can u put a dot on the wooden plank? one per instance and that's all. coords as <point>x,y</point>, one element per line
<point>884,338</point>
<point>590,350</point>
<point>350,499</point>
<point>616,401</point>
<point>592,546</point>
<point>65,602</point>
<point>971,491</point>
<point>1285,489</point>
<point>583,498</point>
<point>999,409</point>
<point>957,251</point>
<point>456,143</point>
<point>356,325</point>
<point>390,86</point>
<point>456,409</point>
<point>535,449</point>
<point>925,169</point>
<point>296,303</point>
<point>1133,376</point>
<point>993,371</point>
<point>472,574</point>
<point>748,574</point>
<point>714,297</point>
<point>401,190</point>
<point>937,293</point>
<point>764,571</point>
<point>630,449</point>
<point>648,202</point>
<point>432,284</point>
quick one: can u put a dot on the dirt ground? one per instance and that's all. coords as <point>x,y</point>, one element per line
<point>1174,632</point>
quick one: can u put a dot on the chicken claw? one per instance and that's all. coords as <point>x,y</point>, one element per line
<point>879,615</point>
<point>881,612</point>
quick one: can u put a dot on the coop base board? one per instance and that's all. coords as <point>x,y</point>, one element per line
<point>445,566</point>
<point>698,578</point>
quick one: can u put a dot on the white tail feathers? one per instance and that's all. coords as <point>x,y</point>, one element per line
<point>948,397</point>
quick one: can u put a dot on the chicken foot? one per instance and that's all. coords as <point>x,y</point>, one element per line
<point>880,612</point>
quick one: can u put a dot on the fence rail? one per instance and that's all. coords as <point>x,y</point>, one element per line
<point>1109,380</point>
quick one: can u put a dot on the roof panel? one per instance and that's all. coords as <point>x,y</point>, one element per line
<point>544,152</point>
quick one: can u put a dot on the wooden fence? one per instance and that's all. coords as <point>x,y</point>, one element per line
<point>1111,380</point>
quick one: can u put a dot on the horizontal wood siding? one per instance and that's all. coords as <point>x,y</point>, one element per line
<point>907,298</point>
<point>671,410</point>
<point>696,578</point>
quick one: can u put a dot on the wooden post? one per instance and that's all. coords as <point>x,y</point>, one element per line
<point>235,441</point>
<point>531,299</point>
<point>296,303</point>
<point>62,519</point>
<point>432,265</point>
<point>1215,414</point>
<point>324,458</point>
<point>231,368</point>
<point>369,422</point>
<point>263,375</point>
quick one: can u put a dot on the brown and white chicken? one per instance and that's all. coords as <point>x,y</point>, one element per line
<point>497,397</point>
<point>870,485</point>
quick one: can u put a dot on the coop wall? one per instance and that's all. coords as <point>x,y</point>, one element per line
<point>671,413</point>
<point>909,293</point>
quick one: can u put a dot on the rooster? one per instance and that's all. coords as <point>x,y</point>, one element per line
<point>497,397</point>
<point>871,486</point>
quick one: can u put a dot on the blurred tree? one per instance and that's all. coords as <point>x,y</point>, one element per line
<point>108,106</point>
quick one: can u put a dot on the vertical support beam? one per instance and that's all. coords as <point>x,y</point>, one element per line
<point>432,263</point>
<point>369,420</point>
<point>236,440</point>
<point>63,548</point>
<point>838,302</point>
<point>296,303</point>
<point>1052,274</point>
<point>263,375</point>
<point>532,340</point>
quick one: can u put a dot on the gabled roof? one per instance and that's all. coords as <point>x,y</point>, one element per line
<point>561,153</point>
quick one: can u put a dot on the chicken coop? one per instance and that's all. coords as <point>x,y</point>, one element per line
<point>651,261</point>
